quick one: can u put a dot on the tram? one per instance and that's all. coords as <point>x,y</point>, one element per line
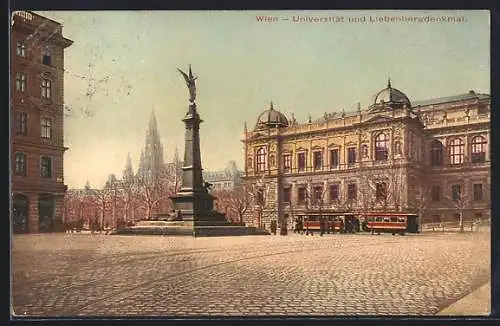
<point>334,222</point>
<point>395,223</point>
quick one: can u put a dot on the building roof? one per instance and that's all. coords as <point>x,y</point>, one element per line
<point>271,118</point>
<point>391,95</point>
<point>454,98</point>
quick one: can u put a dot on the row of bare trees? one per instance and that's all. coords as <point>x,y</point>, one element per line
<point>132,198</point>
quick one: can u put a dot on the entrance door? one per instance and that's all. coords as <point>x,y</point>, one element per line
<point>46,213</point>
<point>20,214</point>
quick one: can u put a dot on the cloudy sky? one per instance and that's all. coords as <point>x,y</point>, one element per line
<point>122,65</point>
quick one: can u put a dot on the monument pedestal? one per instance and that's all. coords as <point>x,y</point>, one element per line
<point>188,228</point>
<point>198,219</point>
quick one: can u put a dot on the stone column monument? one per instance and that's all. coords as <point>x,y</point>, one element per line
<point>193,200</point>
<point>193,204</point>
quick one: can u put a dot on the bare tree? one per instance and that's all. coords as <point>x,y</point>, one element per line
<point>366,191</point>
<point>421,204</point>
<point>259,197</point>
<point>102,198</point>
<point>240,201</point>
<point>460,200</point>
<point>111,189</point>
<point>223,202</point>
<point>129,189</point>
<point>154,188</point>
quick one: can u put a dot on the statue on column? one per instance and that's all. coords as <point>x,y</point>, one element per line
<point>190,82</point>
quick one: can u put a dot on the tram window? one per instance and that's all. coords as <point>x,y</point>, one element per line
<point>378,219</point>
<point>386,219</point>
<point>394,219</point>
<point>370,219</point>
<point>401,219</point>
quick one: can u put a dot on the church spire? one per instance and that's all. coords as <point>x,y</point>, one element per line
<point>389,83</point>
<point>128,172</point>
<point>152,154</point>
<point>153,128</point>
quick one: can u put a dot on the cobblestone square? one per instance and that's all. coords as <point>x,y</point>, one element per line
<point>359,274</point>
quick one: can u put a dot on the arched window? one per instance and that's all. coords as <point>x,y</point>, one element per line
<point>250,163</point>
<point>261,159</point>
<point>478,149</point>
<point>456,151</point>
<point>436,153</point>
<point>381,147</point>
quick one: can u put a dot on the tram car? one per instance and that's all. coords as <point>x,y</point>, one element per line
<point>395,223</point>
<point>334,222</point>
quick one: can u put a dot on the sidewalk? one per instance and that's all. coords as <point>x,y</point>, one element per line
<point>477,303</point>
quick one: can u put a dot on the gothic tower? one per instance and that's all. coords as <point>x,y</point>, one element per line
<point>151,162</point>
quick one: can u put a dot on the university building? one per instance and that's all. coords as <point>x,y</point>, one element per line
<point>37,122</point>
<point>428,157</point>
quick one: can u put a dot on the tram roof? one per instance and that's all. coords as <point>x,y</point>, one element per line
<point>325,213</point>
<point>388,214</point>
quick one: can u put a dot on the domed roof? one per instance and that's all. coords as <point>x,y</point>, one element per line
<point>391,95</point>
<point>271,118</point>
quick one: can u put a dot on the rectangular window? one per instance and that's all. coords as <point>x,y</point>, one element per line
<point>20,167</point>
<point>334,192</point>
<point>46,128</point>
<point>301,161</point>
<point>286,195</point>
<point>46,167</point>
<point>436,193</point>
<point>21,49</point>
<point>351,155</point>
<point>351,191</point>
<point>46,87</point>
<point>318,194</point>
<point>302,194</point>
<point>20,82</point>
<point>46,59</point>
<point>318,160</point>
<point>478,191</point>
<point>287,163</point>
<point>21,123</point>
<point>381,191</point>
<point>455,192</point>
<point>334,158</point>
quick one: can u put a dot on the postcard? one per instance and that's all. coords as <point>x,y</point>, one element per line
<point>250,163</point>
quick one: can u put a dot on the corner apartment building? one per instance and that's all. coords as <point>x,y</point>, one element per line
<point>37,122</point>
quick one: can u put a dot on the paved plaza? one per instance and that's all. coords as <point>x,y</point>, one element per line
<point>359,274</point>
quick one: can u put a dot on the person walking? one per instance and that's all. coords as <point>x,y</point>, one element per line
<point>273,227</point>
<point>321,226</point>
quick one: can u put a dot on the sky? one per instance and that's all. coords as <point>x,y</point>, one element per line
<point>123,65</point>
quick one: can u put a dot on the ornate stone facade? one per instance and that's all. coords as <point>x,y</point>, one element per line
<point>385,157</point>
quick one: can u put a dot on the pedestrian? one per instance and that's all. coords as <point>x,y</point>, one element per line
<point>321,226</point>
<point>273,227</point>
